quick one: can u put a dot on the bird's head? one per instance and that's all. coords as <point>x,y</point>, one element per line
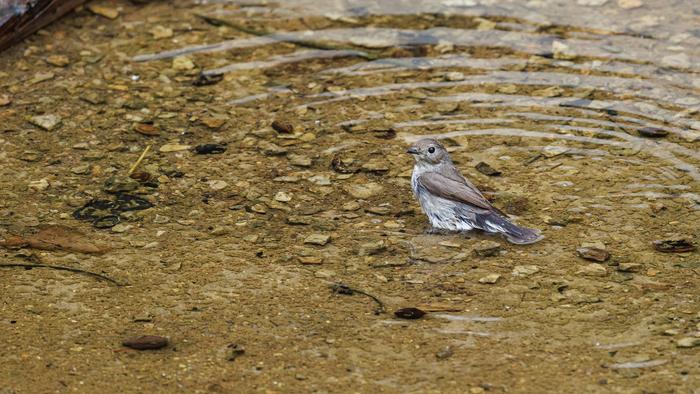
<point>428,151</point>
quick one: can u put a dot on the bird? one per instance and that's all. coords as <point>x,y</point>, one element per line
<point>453,203</point>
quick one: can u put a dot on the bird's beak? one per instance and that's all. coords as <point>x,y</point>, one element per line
<point>412,151</point>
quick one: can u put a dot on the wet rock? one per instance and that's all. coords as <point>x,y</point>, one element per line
<point>351,206</point>
<point>283,126</point>
<point>299,160</point>
<point>117,185</point>
<point>317,239</point>
<point>525,270</point>
<point>444,353</point>
<point>486,169</point>
<point>674,246</point>
<point>146,342</point>
<point>58,60</point>
<point>594,254</point>
<point>592,270</point>
<point>629,267</point>
<point>652,132</point>
<point>487,248</point>
<point>146,129</point>
<point>372,248</point>
<point>103,10</point>
<point>490,279</point>
<point>183,63</point>
<point>160,32</point>
<point>40,185</point>
<point>209,149</point>
<point>562,51</point>
<point>688,342</point>
<point>283,197</point>
<point>173,148</point>
<point>364,191</point>
<point>270,149</point>
<point>47,122</point>
<point>409,313</point>
<point>217,184</point>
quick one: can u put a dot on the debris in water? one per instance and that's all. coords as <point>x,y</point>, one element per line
<point>674,246</point>
<point>146,342</point>
<point>409,313</point>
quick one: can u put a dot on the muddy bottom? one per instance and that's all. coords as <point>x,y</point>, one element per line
<point>225,167</point>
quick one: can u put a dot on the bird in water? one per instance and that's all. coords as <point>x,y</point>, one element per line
<point>453,203</point>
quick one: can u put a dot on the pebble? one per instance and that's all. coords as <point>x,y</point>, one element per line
<point>58,60</point>
<point>592,270</point>
<point>454,76</point>
<point>183,63</point>
<point>209,149</point>
<point>259,208</point>
<point>283,197</point>
<point>270,149</point>
<point>121,228</point>
<point>562,51</point>
<point>487,248</point>
<point>372,248</point>
<point>444,353</point>
<point>39,185</point>
<point>41,77</point>
<point>652,132</point>
<point>219,231</point>
<point>317,239</point>
<point>173,148</point>
<point>81,169</point>
<point>299,160</point>
<point>160,32</point>
<point>116,185</point>
<point>213,122</point>
<point>364,191</point>
<point>283,127</point>
<point>103,10</point>
<point>688,342</point>
<point>351,206</point>
<point>554,150</point>
<point>486,169</point>
<point>594,254</point>
<point>146,129</point>
<point>409,313</point>
<point>525,270</point>
<point>217,184</point>
<point>320,180</point>
<point>146,342</point>
<point>5,100</point>
<point>490,279</point>
<point>629,267</point>
<point>47,122</point>
<point>161,219</point>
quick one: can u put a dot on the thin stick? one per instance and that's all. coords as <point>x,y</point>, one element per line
<point>303,43</point>
<point>62,268</point>
<point>133,168</point>
<point>341,288</point>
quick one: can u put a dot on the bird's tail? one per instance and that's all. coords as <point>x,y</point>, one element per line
<point>515,234</point>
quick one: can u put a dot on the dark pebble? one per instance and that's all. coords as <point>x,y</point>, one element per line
<point>146,342</point>
<point>409,313</point>
<point>652,132</point>
<point>282,126</point>
<point>674,246</point>
<point>209,149</point>
<point>486,169</point>
<point>207,79</point>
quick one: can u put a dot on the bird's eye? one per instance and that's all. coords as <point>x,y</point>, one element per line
<point>431,149</point>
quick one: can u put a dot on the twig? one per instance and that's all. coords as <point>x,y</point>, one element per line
<point>341,288</point>
<point>303,43</point>
<point>138,161</point>
<point>62,268</point>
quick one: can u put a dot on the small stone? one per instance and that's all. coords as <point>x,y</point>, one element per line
<point>146,129</point>
<point>118,185</point>
<point>320,180</point>
<point>47,122</point>
<point>270,149</point>
<point>41,77</point>
<point>554,150</point>
<point>146,342</point>
<point>5,100</point>
<point>594,254</point>
<point>183,63</point>
<point>103,10</point>
<point>283,197</point>
<point>299,220</point>
<point>219,231</point>
<point>283,127</point>
<point>674,246</point>
<point>310,260</point>
<point>121,228</point>
<point>39,185</point>
<point>173,148</point>
<point>629,4</point>
<point>592,270</point>
<point>652,132</point>
<point>213,122</point>
<point>487,170</point>
<point>364,191</point>
<point>409,313</point>
<point>81,169</point>
<point>351,206</point>
<point>671,332</point>
<point>444,353</point>
<point>525,270</point>
<point>209,149</point>
<point>562,51</point>
<point>317,239</point>
<point>454,76</point>
<point>688,342</point>
<point>629,267</point>
<point>58,60</point>
<point>490,279</point>
<point>160,32</point>
<point>217,184</point>
<point>161,219</point>
<point>378,210</point>
<point>487,248</point>
<point>299,160</point>
<point>372,248</point>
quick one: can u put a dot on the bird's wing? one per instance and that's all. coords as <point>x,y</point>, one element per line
<point>455,190</point>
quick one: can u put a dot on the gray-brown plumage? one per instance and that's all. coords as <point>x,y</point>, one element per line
<point>453,203</point>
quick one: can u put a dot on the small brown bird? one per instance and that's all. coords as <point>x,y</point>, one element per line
<point>453,203</point>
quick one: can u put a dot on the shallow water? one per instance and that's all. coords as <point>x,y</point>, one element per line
<point>560,96</point>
